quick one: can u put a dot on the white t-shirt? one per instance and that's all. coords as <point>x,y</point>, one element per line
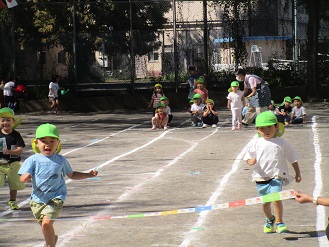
<point>168,110</point>
<point>271,158</point>
<point>235,98</point>
<point>198,108</point>
<point>54,87</point>
<point>8,88</point>
<point>298,112</point>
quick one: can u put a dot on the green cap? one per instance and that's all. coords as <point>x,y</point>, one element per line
<point>191,101</point>
<point>158,85</point>
<point>235,84</point>
<point>266,118</point>
<point>287,99</point>
<point>163,98</point>
<point>273,103</point>
<point>298,98</point>
<point>45,130</point>
<point>7,112</point>
<point>197,96</point>
<point>210,101</point>
<point>199,80</point>
<point>160,105</point>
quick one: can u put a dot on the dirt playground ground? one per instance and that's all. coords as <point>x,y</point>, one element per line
<point>143,171</point>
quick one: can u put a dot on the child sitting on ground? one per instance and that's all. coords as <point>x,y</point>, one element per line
<point>210,115</point>
<point>197,110</point>
<point>284,110</point>
<point>298,114</point>
<point>201,89</point>
<point>160,119</point>
<point>165,101</point>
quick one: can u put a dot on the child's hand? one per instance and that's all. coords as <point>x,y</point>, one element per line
<point>25,177</point>
<point>252,161</point>
<point>93,173</point>
<point>298,178</point>
<point>5,151</point>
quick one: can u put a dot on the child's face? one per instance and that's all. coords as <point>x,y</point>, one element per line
<point>165,102</point>
<point>268,132</point>
<point>158,89</point>
<point>160,109</point>
<point>47,145</point>
<point>200,86</point>
<point>6,123</point>
<point>197,101</point>
<point>210,106</point>
<point>271,107</point>
<point>235,89</point>
<point>287,104</point>
<point>297,103</point>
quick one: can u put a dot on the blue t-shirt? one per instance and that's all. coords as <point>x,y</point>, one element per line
<point>48,174</point>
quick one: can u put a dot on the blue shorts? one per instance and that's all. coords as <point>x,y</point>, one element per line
<point>265,188</point>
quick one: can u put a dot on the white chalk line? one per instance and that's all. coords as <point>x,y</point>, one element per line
<point>214,197</point>
<point>91,222</point>
<point>320,210</point>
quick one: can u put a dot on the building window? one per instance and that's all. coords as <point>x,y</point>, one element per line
<point>153,56</point>
<point>61,57</point>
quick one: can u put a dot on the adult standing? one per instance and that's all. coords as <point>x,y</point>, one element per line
<point>53,93</point>
<point>8,93</point>
<point>259,96</point>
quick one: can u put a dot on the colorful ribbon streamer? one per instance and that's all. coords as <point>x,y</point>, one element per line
<point>283,195</point>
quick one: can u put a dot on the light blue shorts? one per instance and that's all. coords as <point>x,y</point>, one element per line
<point>275,185</point>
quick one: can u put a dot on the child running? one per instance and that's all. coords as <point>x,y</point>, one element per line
<point>160,119</point>
<point>298,114</point>
<point>156,96</point>
<point>47,170</point>
<point>269,155</point>
<point>11,148</point>
<point>235,103</point>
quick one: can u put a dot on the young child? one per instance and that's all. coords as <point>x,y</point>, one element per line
<point>201,89</point>
<point>284,110</point>
<point>298,114</point>
<point>269,155</point>
<point>191,102</point>
<point>272,107</point>
<point>165,101</point>
<point>160,119</point>
<point>53,94</point>
<point>235,103</point>
<point>155,99</point>
<point>11,147</point>
<point>197,110</point>
<point>210,115</point>
<point>47,170</point>
<point>191,81</point>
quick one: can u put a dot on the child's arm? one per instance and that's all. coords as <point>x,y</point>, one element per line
<point>24,178</point>
<point>82,175</point>
<point>151,103</point>
<point>291,116</point>
<point>228,104</point>
<point>16,151</point>
<point>298,177</point>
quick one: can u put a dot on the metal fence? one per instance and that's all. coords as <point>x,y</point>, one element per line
<point>209,35</point>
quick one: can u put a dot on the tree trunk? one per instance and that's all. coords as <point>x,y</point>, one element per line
<point>313,84</point>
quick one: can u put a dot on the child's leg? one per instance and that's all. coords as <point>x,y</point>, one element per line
<point>267,210</point>
<point>165,122</point>
<point>48,231</point>
<point>13,194</point>
<point>278,211</point>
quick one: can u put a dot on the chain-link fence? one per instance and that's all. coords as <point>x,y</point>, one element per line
<point>148,41</point>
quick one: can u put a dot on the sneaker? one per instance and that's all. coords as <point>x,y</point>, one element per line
<point>233,127</point>
<point>286,123</point>
<point>13,205</point>
<point>214,125</point>
<point>281,227</point>
<point>165,128</point>
<point>194,125</point>
<point>154,127</point>
<point>269,225</point>
<point>244,123</point>
<point>204,126</point>
<point>200,124</point>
